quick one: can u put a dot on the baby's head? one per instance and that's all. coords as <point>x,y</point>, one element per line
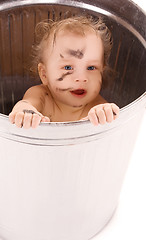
<point>47,32</point>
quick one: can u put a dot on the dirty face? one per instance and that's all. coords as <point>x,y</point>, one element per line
<point>73,68</point>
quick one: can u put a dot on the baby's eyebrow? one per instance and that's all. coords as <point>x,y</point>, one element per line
<point>76,53</point>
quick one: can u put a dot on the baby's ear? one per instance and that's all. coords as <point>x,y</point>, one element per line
<point>42,73</point>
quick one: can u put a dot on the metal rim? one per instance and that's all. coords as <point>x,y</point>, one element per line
<point>68,132</point>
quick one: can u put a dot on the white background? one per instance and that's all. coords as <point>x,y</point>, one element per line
<point>129,221</point>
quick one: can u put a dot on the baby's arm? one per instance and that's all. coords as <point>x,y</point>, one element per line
<point>27,112</point>
<point>102,113</point>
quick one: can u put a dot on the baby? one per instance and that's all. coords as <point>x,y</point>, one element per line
<point>71,58</point>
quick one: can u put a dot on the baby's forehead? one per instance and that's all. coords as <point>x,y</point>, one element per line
<point>71,44</point>
<point>61,38</point>
<point>81,32</point>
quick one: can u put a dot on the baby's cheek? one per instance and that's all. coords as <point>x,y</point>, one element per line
<point>95,93</point>
<point>96,86</point>
<point>95,90</point>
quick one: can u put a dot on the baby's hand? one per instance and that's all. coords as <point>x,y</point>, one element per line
<point>103,113</point>
<point>27,118</point>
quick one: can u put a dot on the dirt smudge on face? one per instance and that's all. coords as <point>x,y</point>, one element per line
<point>76,53</point>
<point>63,76</point>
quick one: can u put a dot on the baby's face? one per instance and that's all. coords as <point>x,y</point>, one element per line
<point>73,68</point>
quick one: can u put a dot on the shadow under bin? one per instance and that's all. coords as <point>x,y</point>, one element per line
<point>62,181</point>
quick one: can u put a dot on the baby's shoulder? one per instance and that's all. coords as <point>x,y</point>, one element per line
<point>40,87</point>
<point>37,90</point>
<point>43,93</point>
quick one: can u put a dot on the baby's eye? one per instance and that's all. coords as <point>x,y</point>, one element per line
<point>68,67</point>
<point>91,68</point>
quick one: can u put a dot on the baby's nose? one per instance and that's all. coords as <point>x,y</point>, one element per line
<point>80,80</point>
<point>80,77</point>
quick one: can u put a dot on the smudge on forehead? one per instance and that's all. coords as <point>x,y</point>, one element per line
<point>76,53</point>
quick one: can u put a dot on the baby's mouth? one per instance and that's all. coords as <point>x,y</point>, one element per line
<point>79,92</point>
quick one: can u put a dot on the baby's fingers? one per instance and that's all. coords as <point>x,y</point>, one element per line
<point>100,113</point>
<point>27,120</point>
<point>36,119</point>
<point>103,113</point>
<point>93,117</point>
<point>45,119</point>
<point>12,117</point>
<point>19,117</point>
<point>33,119</point>
<point>115,110</point>
<point>109,113</point>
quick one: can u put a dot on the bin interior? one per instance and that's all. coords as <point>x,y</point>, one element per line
<point>128,57</point>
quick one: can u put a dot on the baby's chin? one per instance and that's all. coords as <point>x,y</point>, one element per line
<point>78,106</point>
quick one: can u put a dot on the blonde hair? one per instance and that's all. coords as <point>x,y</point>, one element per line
<point>47,29</point>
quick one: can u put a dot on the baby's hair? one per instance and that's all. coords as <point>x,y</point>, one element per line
<point>78,25</point>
